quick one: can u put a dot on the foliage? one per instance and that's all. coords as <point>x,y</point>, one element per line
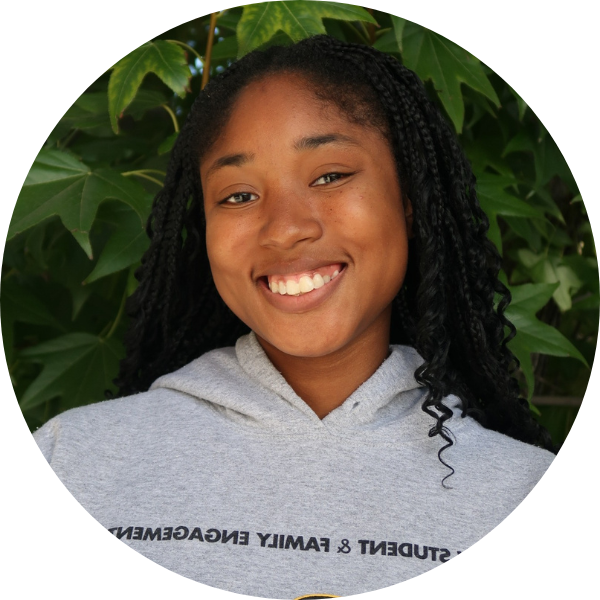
<point>77,231</point>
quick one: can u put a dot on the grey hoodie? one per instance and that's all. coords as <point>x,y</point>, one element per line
<point>223,474</point>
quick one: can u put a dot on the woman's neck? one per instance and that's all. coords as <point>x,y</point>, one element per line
<point>325,382</point>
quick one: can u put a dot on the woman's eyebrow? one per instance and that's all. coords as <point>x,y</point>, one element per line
<point>229,160</point>
<point>306,143</point>
<point>314,141</point>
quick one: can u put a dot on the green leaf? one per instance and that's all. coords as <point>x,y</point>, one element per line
<point>544,200</point>
<point>23,305</point>
<point>521,104</point>
<point>525,228</point>
<point>519,348</point>
<point>225,49</point>
<point>542,338</point>
<point>448,66</point>
<point>34,245</point>
<point>547,158</point>
<point>143,101</point>
<point>390,41</point>
<point>387,42</point>
<point>481,107</point>
<point>229,19</point>
<point>585,231</point>
<point>550,268</point>
<point>533,336</point>
<point>496,201</point>
<point>485,151</point>
<point>8,337</point>
<point>19,304</point>
<point>165,59</point>
<point>88,112</point>
<point>77,367</point>
<point>299,19</point>
<point>591,302</point>
<point>491,193</point>
<point>79,297</point>
<point>547,230</point>
<point>124,248</point>
<point>59,184</point>
<point>586,269</point>
<point>531,297</point>
<point>398,25</point>
<point>167,144</point>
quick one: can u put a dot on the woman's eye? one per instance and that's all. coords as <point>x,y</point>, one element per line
<point>329,178</point>
<point>239,198</point>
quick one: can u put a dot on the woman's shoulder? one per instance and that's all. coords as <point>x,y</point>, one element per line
<point>114,409</point>
<point>167,392</point>
<point>498,456</point>
<point>85,425</point>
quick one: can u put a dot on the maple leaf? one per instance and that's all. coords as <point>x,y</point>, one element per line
<point>59,184</point>
<point>298,19</point>
<point>534,336</point>
<point>163,58</point>
<point>448,66</point>
<point>77,367</point>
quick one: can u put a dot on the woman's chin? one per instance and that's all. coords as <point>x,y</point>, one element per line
<point>303,344</point>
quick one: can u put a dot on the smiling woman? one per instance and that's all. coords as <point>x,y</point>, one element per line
<point>325,374</point>
<point>306,236</point>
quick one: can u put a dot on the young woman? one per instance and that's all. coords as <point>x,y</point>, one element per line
<point>368,427</point>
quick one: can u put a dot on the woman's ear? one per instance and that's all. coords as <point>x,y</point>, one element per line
<point>408,215</point>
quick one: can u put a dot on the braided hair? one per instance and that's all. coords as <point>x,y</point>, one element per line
<point>445,308</point>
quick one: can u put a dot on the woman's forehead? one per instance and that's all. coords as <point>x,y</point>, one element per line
<point>286,106</point>
<point>280,94</point>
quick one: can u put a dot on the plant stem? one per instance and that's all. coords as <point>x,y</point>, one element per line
<point>187,47</point>
<point>173,117</point>
<point>152,179</point>
<point>371,29</point>
<point>142,173</point>
<point>157,171</point>
<point>67,139</point>
<point>209,45</point>
<point>360,30</point>
<point>119,315</point>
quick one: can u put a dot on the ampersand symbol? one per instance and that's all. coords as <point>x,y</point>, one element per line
<point>344,548</point>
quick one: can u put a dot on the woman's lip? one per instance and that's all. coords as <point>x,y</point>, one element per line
<point>297,267</point>
<point>303,302</point>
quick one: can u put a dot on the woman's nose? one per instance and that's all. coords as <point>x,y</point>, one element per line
<point>289,219</point>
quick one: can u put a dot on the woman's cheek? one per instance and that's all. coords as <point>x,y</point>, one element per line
<point>229,252</point>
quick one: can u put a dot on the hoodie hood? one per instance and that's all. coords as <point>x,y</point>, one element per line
<point>242,384</point>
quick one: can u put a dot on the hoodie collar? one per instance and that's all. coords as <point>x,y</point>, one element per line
<point>244,386</point>
<point>366,405</point>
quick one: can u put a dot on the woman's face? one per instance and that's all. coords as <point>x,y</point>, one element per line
<point>305,226</point>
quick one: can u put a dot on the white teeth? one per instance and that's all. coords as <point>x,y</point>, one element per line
<point>292,287</point>
<point>304,285</point>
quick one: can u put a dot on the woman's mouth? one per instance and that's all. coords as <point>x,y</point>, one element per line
<point>298,284</point>
<point>286,291</point>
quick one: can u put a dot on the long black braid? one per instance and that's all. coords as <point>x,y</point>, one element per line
<point>445,308</point>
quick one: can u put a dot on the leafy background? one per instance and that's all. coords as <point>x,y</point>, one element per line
<point>77,232</point>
